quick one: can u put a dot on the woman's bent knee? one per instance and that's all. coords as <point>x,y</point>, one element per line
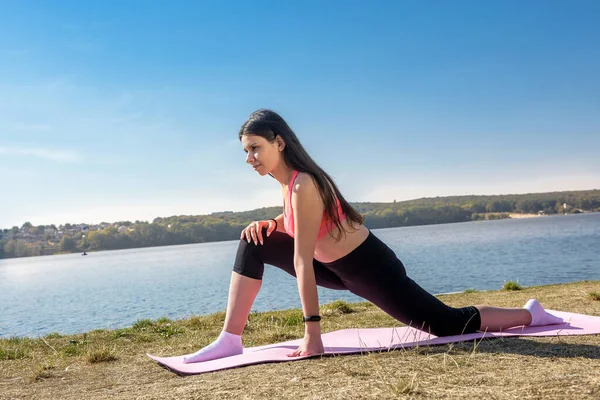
<point>247,261</point>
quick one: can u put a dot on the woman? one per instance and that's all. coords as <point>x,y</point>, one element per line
<point>320,239</point>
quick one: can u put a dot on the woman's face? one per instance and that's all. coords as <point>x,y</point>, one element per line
<point>260,154</point>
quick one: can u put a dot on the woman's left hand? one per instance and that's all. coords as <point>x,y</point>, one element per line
<point>311,346</point>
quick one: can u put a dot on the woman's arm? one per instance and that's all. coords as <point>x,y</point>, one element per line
<point>308,213</point>
<point>280,227</point>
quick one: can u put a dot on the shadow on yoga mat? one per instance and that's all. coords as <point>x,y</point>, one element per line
<point>356,341</point>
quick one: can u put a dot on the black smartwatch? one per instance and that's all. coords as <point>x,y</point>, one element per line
<point>312,318</point>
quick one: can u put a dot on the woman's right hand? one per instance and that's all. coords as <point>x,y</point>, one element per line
<point>254,230</point>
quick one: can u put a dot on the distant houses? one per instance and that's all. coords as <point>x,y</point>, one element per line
<point>29,230</point>
<point>30,233</point>
<point>51,232</point>
<point>76,228</point>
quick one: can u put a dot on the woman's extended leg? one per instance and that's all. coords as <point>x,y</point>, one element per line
<point>246,279</point>
<point>373,272</point>
<point>494,319</point>
<point>533,314</point>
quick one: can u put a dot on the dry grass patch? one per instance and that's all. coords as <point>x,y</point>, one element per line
<point>45,370</point>
<point>112,364</point>
<point>101,355</point>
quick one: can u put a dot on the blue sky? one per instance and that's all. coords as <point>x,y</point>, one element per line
<point>125,110</point>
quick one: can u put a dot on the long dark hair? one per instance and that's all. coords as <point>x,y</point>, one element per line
<point>268,124</point>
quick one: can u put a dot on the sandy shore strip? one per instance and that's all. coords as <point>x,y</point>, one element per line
<point>516,215</point>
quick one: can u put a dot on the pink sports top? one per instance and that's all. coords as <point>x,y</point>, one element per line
<point>288,218</point>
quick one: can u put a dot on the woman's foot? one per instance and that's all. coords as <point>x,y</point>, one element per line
<point>539,316</point>
<point>226,345</point>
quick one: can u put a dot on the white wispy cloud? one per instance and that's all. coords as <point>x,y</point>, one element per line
<point>63,156</point>
<point>25,127</point>
<point>126,118</point>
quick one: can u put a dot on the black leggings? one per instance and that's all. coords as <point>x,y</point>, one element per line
<point>371,271</point>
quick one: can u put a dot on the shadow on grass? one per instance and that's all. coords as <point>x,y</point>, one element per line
<point>527,346</point>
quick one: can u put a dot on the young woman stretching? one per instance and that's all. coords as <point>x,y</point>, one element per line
<point>320,240</point>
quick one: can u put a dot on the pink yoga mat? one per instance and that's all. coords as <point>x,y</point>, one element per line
<point>352,341</point>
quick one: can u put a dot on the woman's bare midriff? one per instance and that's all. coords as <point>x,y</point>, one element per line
<point>328,250</point>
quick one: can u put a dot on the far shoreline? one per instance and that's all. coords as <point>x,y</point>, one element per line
<point>510,216</point>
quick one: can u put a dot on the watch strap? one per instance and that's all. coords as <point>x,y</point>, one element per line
<point>312,318</point>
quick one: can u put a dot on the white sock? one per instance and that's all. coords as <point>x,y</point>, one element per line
<point>539,316</point>
<point>226,345</point>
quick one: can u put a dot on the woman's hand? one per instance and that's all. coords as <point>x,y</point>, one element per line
<point>311,346</point>
<point>254,230</point>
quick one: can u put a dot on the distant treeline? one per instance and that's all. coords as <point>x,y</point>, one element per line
<point>227,225</point>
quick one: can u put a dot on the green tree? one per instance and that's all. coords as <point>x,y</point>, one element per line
<point>68,244</point>
<point>9,248</point>
<point>21,249</point>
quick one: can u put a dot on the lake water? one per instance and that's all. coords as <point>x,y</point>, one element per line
<point>112,289</point>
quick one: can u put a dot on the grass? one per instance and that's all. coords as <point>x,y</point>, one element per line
<point>338,307</point>
<point>111,364</point>
<point>12,354</point>
<point>594,296</point>
<point>512,285</point>
<point>100,355</point>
